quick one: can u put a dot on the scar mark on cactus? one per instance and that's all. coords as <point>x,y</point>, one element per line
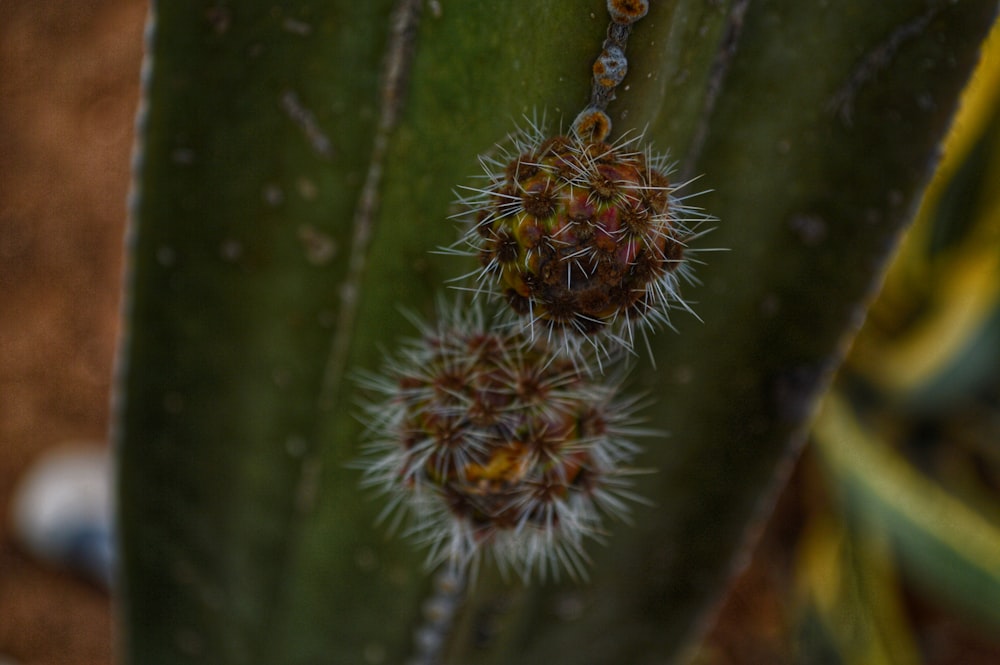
<point>306,120</point>
<point>716,77</point>
<point>395,76</point>
<point>877,60</point>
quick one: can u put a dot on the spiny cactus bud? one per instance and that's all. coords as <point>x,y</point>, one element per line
<point>494,445</point>
<point>585,240</point>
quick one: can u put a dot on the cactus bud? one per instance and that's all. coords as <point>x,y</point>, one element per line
<point>585,240</point>
<point>494,445</point>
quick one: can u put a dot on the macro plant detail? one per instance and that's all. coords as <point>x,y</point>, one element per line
<point>586,241</point>
<point>497,445</point>
<point>501,439</point>
<point>244,535</point>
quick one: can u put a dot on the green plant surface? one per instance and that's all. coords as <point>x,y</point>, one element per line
<point>908,435</point>
<point>933,338</point>
<point>851,610</point>
<point>943,543</point>
<point>287,197</point>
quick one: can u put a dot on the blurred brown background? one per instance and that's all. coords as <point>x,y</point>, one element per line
<point>69,84</point>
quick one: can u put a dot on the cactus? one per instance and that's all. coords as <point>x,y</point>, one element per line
<point>296,171</point>
<point>498,445</point>
<point>585,240</point>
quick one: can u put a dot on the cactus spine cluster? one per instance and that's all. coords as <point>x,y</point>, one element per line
<point>498,445</point>
<point>584,240</point>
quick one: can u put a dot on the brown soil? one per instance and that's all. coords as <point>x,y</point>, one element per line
<point>69,75</point>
